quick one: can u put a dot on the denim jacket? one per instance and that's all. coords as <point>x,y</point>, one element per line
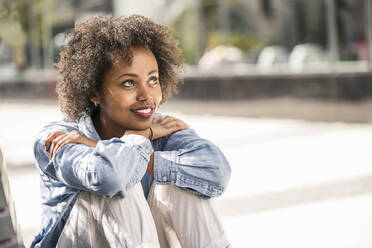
<point>114,166</point>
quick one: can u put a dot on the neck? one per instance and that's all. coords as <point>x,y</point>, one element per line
<point>106,130</point>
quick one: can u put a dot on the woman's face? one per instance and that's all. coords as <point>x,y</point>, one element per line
<point>130,94</point>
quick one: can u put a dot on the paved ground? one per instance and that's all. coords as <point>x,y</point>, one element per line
<point>295,183</point>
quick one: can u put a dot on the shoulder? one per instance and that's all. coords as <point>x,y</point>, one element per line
<point>65,125</point>
<point>40,154</point>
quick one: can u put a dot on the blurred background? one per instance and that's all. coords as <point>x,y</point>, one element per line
<point>284,87</point>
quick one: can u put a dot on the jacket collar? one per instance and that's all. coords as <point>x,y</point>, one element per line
<point>86,127</point>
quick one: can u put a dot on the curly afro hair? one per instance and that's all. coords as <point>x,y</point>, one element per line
<point>95,44</point>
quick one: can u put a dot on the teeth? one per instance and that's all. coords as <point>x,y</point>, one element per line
<point>145,111</point>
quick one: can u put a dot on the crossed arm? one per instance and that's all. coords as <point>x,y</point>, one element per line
<point>161,127</point>
<point>185,160</point>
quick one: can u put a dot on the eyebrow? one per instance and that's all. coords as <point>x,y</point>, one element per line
<point>135,75</point>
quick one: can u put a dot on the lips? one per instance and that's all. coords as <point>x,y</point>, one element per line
<point>144,112</point>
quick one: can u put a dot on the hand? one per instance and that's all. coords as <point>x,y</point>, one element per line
<point>165,126</point>
<point>59,139</point>
<point>161,127</point>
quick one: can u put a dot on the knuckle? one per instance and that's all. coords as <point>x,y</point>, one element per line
<point>74,133</point>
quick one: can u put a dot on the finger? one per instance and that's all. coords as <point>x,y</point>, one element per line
<point>61,143</point>
<point>167,121</point>
<point>51,149</point>
<point>56,148</point>
<point>156,119</point>
<point>181,123</point>
<point>49,141</point>
<point>177,126</point>
<point>175,122</point>
<point>54,143</point>
<point>55,135</point>
<point>51,138</point>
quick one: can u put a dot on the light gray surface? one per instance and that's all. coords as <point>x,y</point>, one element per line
<point>294,183</point>
<point>9,229</point>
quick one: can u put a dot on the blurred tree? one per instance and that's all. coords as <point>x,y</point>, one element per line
<point>186,31</point>
<point>25,22</point>
<point>12,33</point>
<point>201,28</point>
<point>248,43</point>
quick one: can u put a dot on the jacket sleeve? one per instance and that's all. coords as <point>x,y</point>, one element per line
<point>192,163</point>
<point>111,168</point>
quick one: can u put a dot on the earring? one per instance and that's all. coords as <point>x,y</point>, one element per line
<point>95,103</point>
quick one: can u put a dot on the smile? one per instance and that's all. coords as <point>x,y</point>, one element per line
<point>144,112</point>
<point>148,110</point>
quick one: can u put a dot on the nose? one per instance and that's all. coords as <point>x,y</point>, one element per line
<point>143,93</point>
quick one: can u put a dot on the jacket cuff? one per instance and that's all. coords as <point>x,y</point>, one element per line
<point>142,143</point>
<point>165,167</point>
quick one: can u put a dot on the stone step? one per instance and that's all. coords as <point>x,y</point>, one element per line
<point>333,223</point>
<point>10,235</point>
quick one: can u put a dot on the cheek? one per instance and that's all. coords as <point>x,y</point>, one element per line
<point>117,100</point>
<point>159,95</point>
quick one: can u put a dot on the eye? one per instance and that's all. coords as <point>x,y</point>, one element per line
<point>127,83</point>
<point>154,80</point>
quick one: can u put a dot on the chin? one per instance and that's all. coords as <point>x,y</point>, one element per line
<point>141,126</point>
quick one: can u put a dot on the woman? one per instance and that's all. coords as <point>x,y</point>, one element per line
<point>114,173</point>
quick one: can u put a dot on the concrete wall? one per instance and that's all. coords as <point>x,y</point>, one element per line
<point>340,86</point>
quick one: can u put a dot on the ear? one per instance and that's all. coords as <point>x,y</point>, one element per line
<point>95,99</point>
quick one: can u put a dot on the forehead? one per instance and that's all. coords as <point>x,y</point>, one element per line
<point>142,58</point>
<point>142,63</point>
